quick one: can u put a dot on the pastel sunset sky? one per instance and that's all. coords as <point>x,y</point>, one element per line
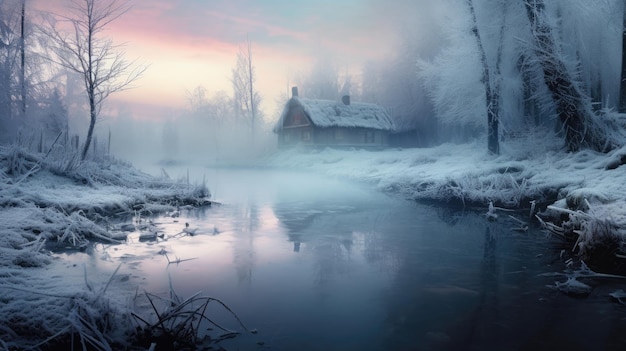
<point>188,43</point>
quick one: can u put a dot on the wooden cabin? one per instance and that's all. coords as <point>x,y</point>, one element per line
<point>312,122</point>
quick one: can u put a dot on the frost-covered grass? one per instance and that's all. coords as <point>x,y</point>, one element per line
<point>180,323</point>
<point>54,197</point>
<point>463,174</point>
<point>40,313</point>
<point>585,191</point>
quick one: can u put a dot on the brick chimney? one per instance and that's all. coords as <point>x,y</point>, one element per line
<point>346,100</point>
<point>294,91</point>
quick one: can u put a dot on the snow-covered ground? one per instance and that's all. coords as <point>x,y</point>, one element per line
<point>530,173</point>
<point>58,199</point>
<point>55,199</point>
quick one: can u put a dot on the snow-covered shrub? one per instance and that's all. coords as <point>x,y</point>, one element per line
<point>502,189</point>
<point>17,162</point>
<point>580,199</point>
<point>595,233</point>
<point>616,158</point>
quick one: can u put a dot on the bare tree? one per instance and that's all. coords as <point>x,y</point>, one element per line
<point>83,50</point>
<point>9,61</point>
<point>5,73</point>
<point>246,98</point>
<point>491,79</point>
<point>197,99</point>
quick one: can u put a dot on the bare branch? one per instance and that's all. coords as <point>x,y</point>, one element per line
<point>84,51</point>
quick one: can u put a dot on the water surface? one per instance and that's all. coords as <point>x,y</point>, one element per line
<point>315,263</point>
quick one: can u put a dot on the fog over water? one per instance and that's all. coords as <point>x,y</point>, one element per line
<point>319,263</point>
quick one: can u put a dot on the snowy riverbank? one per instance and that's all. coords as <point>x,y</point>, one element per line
<point>588,187</point>
<point>57,199</point>
<point>49,200</point>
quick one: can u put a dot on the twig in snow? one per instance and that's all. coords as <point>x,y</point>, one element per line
<point>177,260</point>
<point>87,284</point>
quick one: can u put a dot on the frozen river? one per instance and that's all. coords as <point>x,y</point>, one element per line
<point>321,264</point>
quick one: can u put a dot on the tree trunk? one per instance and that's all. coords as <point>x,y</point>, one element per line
<point>92,124</point>
<point>90,84</point>
<point>251,82</point>
<point>5,95</point>
<point>622,96</point>
<point>495,95</point>
<point>572,104</point>
<point>492,93</point>
<point>22,63</point>
<point>103,70</point>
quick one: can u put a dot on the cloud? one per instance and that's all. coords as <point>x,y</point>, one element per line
<point>193,42</point>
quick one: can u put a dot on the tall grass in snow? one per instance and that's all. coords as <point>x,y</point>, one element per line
<point>179,323</point>
<point>49,195</point>
<point>88,322</point>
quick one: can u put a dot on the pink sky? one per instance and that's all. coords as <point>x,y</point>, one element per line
<point>187,43</point>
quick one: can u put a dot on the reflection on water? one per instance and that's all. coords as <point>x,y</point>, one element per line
<point>320,264</point>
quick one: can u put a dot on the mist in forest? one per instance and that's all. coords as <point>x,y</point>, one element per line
<point>429,73</point>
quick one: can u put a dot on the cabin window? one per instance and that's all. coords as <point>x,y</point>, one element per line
<point>370,137</point>
<point>306,135</point>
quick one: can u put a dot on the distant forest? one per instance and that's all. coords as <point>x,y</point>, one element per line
<point>501,69</point>
<point>488,69</point>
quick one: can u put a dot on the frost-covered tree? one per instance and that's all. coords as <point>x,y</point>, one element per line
<point>247,99</point>
<point>20,71</point>
<point>395,83</point>
<point>54,114</point>
<point>545,62</point>
<point>30,92</point>
<point>622,97</point>
<point>22,75</point>
<point>197,99</point>
<point>214,112</point>
<point>210,127</point>
<point>322,81</point>
<point>5,73</point>
<point>491,80</point>
<point>452,80</point>
<point>589,34</point>
<point>84,50</point>
<point>10,47</point>
<point>580,124</point>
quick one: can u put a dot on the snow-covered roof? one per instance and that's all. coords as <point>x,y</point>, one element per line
<point>329,113</point>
